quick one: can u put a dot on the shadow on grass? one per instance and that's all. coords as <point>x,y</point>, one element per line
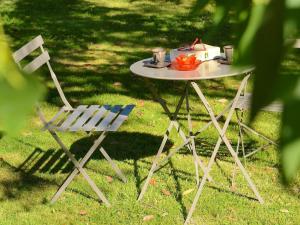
<point>120,146</point>
<point>70,28</point>
<point>1,134</point>
<point>179,196</point>
<point>19,182</point>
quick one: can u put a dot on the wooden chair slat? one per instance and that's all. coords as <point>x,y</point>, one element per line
<point>28,48</point>
<point>96,118</point>
<point>113,113</point>
<point>121,118</point>
<point>244,103</point>
<point>84,118</point>
<point>37,62</point>
<point>72,117</point>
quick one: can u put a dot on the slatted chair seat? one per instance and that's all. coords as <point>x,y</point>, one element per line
<point>90,118</point>
<point>244,103</point>
<point>93,118</point>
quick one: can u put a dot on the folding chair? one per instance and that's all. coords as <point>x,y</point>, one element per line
<point>243,104</point>
<point>94,118</point>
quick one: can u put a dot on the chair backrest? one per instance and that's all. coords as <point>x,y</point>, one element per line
<point>39,61</point>
<point>297,44</point>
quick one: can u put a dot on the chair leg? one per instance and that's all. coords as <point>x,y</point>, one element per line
<point>241,136</point>
<point>235,166</point>
<point>244,126</point>
<point>79,167</point>
<point>113,165</point>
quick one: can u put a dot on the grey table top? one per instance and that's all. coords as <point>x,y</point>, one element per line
<point>206,70</point>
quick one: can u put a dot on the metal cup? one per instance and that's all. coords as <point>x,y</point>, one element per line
<point>159,55</point>
<point>228,50</point>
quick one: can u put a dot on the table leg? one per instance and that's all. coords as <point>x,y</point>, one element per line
<point>186,140</point>
<point>162,102</point>
<point>163,143</point>
<point>190,127</point>
<point>227,143</point>
<point>189,142</point>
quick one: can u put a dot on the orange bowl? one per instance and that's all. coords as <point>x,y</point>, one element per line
<point>184,62</point>
<point>183,59</point>
<point>185,67</point>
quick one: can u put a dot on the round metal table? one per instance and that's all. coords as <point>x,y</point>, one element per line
<point>206,70</point>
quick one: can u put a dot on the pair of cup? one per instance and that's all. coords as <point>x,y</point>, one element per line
<point>159,55</point>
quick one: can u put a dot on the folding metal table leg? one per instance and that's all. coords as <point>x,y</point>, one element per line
<point>186,140</point>
<point>208,124</point>
<point>163,143</point>
<point>240,141</point>
<point>166,109</point>
<point>190,127</point>
<point>222,137</point>
<point>155,161</point>
<point>188,144</point>
<point>175,151</point>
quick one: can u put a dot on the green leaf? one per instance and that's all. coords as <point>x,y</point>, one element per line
<point>292,3</point>
<point>198,5</point>
<point>246,43</point>
<point>219,14</point>
<point>18,93</point>
<point>290,139</point>
<point>17,104</point>
<point>267,55</point>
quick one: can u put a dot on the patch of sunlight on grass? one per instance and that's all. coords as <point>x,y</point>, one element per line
<point>92,43</point>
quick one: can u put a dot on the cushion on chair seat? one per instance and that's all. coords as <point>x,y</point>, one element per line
<point>90,118</point>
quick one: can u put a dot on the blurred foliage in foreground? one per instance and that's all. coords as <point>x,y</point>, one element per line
<point>265,30</point>
<point>18,93</point>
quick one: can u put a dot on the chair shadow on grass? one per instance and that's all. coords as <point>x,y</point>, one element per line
<point>120,146</point>
<point>129,148</point>
<point>17,183</point>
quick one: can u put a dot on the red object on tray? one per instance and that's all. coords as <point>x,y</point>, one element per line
<point>184,62</point>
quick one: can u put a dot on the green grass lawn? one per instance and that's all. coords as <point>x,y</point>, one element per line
<point>92,44</point>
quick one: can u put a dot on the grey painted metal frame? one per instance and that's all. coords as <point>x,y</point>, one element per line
<point>207,70</point>
<point>188,140</point>
<point>84,118</point>
<point>244,103</point>
<point>222,138</point>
